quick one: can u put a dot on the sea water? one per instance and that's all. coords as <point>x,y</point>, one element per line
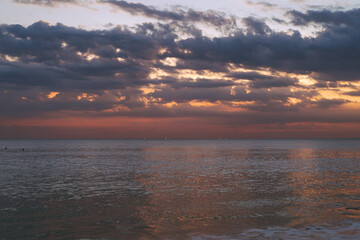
<point>180,189</point>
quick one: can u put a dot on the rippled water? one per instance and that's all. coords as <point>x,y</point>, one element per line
<point>204,189</point>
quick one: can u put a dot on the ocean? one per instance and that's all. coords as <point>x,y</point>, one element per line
<point>180,189</point>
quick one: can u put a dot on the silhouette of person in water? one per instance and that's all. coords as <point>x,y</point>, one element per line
<point>5,148</point>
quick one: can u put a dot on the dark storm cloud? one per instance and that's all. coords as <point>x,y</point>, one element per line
<point>14,106</point>
<point>248,75</point>
<point>349,18</point>
<point>211,17</point>
<point>328,103</point>
<point>42,42</point>
<point>347,73</point>
<point>227,93</point>
<point>258,80</point>
<point>321,84</point>
<point>353,93</point>
<point>188,94</point>
<point>278,20</point>
<point>268,116</point>
<point>201,65</point>
<point>199,83</point>
<point>116,64</point>
<point>274,82</point>
<point>50,56</point>
<point>90,77</point>
<point>256,26</point>
<point>34,102</point>
<point>333,54</point>
<point>330,55</point>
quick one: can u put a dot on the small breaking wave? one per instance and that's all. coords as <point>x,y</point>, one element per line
<point>348,230</point>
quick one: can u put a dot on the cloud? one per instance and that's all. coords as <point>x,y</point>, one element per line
<point>348,18</point>
<point>329,103</point>
<point>170,69</point>
<point>177,14</point>
<point>209,17</point>
<point>256,26</point>
<point>60,57</point>
<point>199,83</point>
<point>264,81</point>
<point>353,93</point>
<point>45,2</point>
<point>330,55</point>
<point>76,53</point>
<point>262,4</point>
<point>262,98</point>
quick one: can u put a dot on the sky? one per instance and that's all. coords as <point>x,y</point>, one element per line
<point>179,69</point>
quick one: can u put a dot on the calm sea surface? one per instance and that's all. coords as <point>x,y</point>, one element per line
<point>180,189</point>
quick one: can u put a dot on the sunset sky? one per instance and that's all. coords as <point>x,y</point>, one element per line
<point>179,69</point>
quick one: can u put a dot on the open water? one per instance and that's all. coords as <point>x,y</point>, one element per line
<point>180,189</point>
